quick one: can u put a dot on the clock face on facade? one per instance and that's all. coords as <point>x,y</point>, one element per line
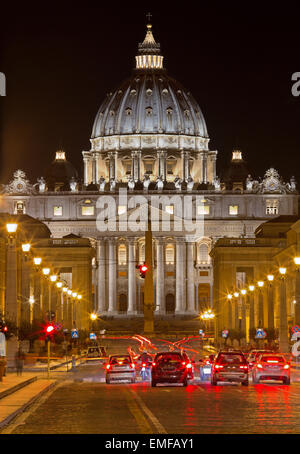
<point>20,186</point>
<point>271,184</point>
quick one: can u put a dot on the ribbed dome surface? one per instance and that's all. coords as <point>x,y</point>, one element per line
<point>149,102</point>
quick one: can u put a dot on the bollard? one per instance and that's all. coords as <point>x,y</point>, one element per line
<point>73,363</point>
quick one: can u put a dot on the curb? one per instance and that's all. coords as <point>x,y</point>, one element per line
<point>9,418</point>
<point>15,388</point>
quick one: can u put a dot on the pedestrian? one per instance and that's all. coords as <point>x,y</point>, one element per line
<point>19,361</point>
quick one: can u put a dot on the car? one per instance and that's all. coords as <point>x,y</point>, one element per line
<point>230,366</point>
<point>252,356</point>
<point>271,367</point>
<point>120,368</point>
<point>170,367</point>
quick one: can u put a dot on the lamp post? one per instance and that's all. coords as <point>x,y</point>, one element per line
<point>53,278</point>
<point>260,304</point>
<point>74,294</point>
<point>229,300</point>
<point>12,302</point>
<point>31,303</point>
<point>60,295</point>
<point>244,321</point>
<point>70,308</point>
<point>251,310</point>
<point>283,325</point>
<point>26,283</point>
<point>270,302</point>
<point>297,291</point>
<point>236,310</point>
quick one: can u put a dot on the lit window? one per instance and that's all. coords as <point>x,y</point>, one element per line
<point>272,206</point>
<point>233,210</point>
<point>203,209</point>
<point>122,254</point>
<point>148,168</point>
<point>170,209</point>
<point>127,167</point>
<point>87,211</point>
<point>57,211</point>
<point>121,209</point>
<point>20,208</point>
<point>170,254</point>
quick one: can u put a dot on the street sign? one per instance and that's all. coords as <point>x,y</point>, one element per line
<point>260,333</point>
<point>225,333</point>
<point>74,333</point>
<point>201,332</point>
<point>2,344</point>
<point>58,326</point>
<point>93,336</point>
<point>296,329</point>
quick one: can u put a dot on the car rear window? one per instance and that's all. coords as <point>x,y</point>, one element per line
<point>120,359</point>
<point>272,359</point>
<point>231,359</point>
<point>171,358</point>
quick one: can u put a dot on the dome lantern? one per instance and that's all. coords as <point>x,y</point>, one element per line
<point>149,52</point>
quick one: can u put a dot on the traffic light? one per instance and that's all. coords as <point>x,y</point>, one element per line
<point>49,330</point>
<point>143,270</point>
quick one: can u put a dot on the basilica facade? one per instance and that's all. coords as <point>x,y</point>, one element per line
<point>150,144</point>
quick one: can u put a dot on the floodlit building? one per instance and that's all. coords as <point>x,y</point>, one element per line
<point>150,145</point>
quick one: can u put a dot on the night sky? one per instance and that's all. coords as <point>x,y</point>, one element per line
<point>60,60</point>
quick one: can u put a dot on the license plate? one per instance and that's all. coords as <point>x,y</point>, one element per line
<point>206,370</point>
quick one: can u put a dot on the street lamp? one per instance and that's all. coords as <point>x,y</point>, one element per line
<point>283,324</point>
<point>37,261</point>
<point>260,304</point>
<point>46,271</point>
<point>297,261</point>
<point>59,284</point>
<point>270,278</point>
<point>26,247</point>
<point>11,227</point>
<point>297,291</point>
<point>53,278</point>
<point>260,284</point>
<point>243,291</point>
<point>251,288</point>
<point>236,294</point>
<point>229,296</point>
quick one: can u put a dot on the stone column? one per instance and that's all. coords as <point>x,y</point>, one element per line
<point>113,164</point>
<point>131,277</point>
<point>185,155</point>
<point>136,165</point>
<point>204,167</point>
<point>180,277</point>
<point>190,278</point>
<point>162,164</point>
<point>251,310</point>
<point>86,163</point>
<point>101,283</point>
<point>160,277</point>
<point>229,302</point>
<point>112,276</point>
<point>214,167</point>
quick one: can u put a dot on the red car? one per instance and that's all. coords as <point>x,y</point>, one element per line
<point>230,366</point>
<point>170,367</point>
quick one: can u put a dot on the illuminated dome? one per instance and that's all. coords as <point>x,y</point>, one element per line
<point>149,102</point>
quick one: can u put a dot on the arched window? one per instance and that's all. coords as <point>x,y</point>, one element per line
<point>170,254</point>
<point>203,253</point>
<point>122,254</point>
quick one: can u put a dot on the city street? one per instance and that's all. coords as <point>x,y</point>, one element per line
<point>82,403</point>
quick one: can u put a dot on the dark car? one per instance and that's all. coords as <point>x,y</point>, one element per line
<point>230,366</point>
<point>170,367</point>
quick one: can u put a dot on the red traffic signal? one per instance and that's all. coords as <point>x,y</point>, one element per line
<point>49,330</point>
<point>143,270</point>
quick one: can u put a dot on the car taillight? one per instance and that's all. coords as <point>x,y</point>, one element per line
<point>132,365</point>
<point>144,365</point>
<point>120,362</point>
<point>286,366</point>
<point>259,366</point>
<point>243,367</point>
<point>188,366</point>
<point>153,364</point>
<point>108,366</point>
<point>218,366</point>
<point>183,363</point>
